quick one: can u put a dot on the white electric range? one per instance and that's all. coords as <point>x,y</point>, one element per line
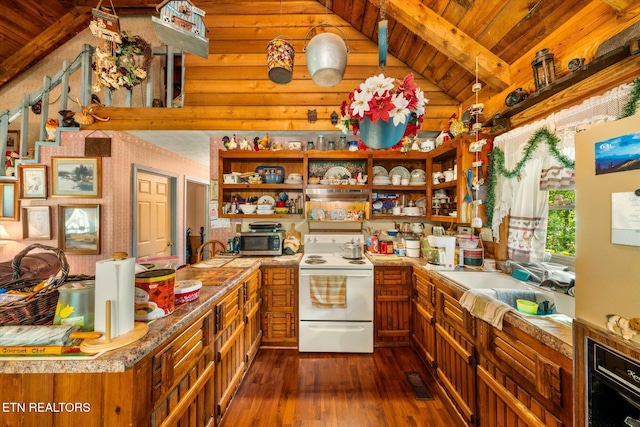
<point>335,297</point>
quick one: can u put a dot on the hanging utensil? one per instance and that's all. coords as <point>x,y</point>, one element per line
<point>483,188</point>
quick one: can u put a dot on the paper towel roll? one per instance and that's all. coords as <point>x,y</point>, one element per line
<point>115,281</point>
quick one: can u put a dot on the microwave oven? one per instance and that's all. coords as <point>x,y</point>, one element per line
<point>261,243</point>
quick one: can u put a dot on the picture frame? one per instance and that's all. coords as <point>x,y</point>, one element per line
<point>213,190</point>
<point>76,177</point>
<point>33,181</point>
<point>9,203</point>
<point>79,229</point>
<point>13,140</point>
<point>36,222</point>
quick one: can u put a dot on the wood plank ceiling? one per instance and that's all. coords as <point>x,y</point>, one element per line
<point>438,40</point>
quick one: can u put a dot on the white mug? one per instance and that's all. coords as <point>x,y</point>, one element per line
<point>427,145</point>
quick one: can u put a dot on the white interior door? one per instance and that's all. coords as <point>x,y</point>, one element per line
<point>153,215</point>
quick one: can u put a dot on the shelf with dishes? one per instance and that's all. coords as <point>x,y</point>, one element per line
<point>356,211</point>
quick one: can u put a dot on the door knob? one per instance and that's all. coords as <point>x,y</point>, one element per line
<point>169,243</point>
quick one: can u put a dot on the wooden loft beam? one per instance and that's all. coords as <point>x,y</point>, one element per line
<point>449,40</point>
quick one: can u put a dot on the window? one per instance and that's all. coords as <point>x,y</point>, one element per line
<point>561,225</point>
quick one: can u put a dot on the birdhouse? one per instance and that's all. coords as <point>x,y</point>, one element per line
<point>181,25</point>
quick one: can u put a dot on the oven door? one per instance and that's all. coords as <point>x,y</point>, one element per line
<point>335,295</point>
<point>336,311</point>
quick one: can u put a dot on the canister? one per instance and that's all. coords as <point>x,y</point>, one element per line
<point>76,305</point>
<point>155,296</point>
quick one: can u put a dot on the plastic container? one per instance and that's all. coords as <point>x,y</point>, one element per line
<point>187,291</point>
<point>473,257</point>
<point>76,305</point>
<point>466,241</point>
<point>526,306</point>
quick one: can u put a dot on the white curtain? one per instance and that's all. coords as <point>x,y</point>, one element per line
<point>525,198</point>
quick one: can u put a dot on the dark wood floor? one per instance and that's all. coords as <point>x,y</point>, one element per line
<point>288,388</point>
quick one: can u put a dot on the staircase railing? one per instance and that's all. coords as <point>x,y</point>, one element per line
<point>61,79</point>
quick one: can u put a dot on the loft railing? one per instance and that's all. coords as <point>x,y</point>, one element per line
<point>61,79</point>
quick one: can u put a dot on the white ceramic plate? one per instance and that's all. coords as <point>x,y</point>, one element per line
<point>266,200</point>
<point>399,170</point>
<point>417,183</point>
<point>338,214</point>
<point>337,172</point>
<point>379,171</point>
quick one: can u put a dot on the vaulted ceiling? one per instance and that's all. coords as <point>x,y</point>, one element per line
<point>440,41</point>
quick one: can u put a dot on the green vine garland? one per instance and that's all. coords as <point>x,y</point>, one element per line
<point>496,164</point>
<point>632,104</point>
<point>496,156</point>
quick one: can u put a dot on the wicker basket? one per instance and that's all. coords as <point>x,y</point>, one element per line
<point>39,308</point>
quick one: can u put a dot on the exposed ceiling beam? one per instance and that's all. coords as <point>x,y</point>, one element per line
<point>73,22</point>
<point>449,40</point>
<point>618,5</point>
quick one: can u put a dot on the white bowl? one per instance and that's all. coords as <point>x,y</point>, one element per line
<point>248,209</point>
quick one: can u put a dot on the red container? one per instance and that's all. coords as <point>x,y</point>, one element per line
<point>386,247</point>
<point>187,290</point>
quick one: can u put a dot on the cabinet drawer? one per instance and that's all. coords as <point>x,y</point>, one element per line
<point>182,353</point>
<point>279,298</point>
<point>535,366</point>
<point>392,276</point>
<point>279,276</point>
<point>449,310</point>
<point>229,308</point>
<point>424,291</point>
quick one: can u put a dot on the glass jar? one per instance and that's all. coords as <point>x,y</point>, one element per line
<point>331,145</point>
<point>321,144</point>
<point>342,143</point>
<point>310,146</point>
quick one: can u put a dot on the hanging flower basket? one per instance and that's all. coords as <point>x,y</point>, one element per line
<point>395,104</point>
<point>381,134</point>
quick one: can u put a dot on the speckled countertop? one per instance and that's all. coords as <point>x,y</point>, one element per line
<point>218,277</point>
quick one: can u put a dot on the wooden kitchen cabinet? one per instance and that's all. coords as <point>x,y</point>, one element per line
<point>280,306</point>
<point>253,323</point>
<point>229,347</point>
<point>521,380</point>
<point>392,305</point>
<point>172,386</point>
<point>456,352</point>
<point>423,318</point>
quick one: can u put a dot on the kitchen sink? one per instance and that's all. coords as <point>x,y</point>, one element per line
<point>505,288</point>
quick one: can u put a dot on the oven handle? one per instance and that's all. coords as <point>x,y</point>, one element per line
<point>349,275</point>
<point>336,328</point>
<point>631,422</point>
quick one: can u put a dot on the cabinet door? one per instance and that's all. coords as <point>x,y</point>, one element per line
<point>253,329</point>
<point>181,376</point>
<point>455,351</point>
<point>423,319</point>
<point>280,306</point>
<point>503,401</point>
<point>229,347</point>
<point>392,306</point>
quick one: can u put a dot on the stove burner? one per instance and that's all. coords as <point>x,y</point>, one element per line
<point>315,260</point>
<point>314,257</point>
<point>357,261</point>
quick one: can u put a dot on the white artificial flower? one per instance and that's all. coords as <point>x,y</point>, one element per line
<point>360,103</point>
<point>379,84</point>
<point>400,112</point>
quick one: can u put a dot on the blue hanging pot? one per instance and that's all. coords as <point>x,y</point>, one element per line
<point>381,134</point>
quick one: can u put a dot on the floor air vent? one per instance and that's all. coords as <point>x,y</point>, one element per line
<point>419,388</point>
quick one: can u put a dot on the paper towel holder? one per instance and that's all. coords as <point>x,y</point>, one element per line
<point>106,343</point>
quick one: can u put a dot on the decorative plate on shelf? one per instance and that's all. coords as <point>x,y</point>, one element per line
<point>317,214</point>
<point>338,214</point>
<point>399,170</point>
<point>418,175</point>
<point>337,172</point>
<point>266,200</point>
<point>380,171</point>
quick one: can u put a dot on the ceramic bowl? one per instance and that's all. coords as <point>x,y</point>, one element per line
<point>248,209</point>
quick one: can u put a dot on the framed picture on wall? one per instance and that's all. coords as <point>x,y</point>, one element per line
<point>214,189</point>
<point>13,140</point>
<point>79,229</point>
<point>76,177</point>
<point>33,181</point>
<point>9,203</point>
<point>36,223</point>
